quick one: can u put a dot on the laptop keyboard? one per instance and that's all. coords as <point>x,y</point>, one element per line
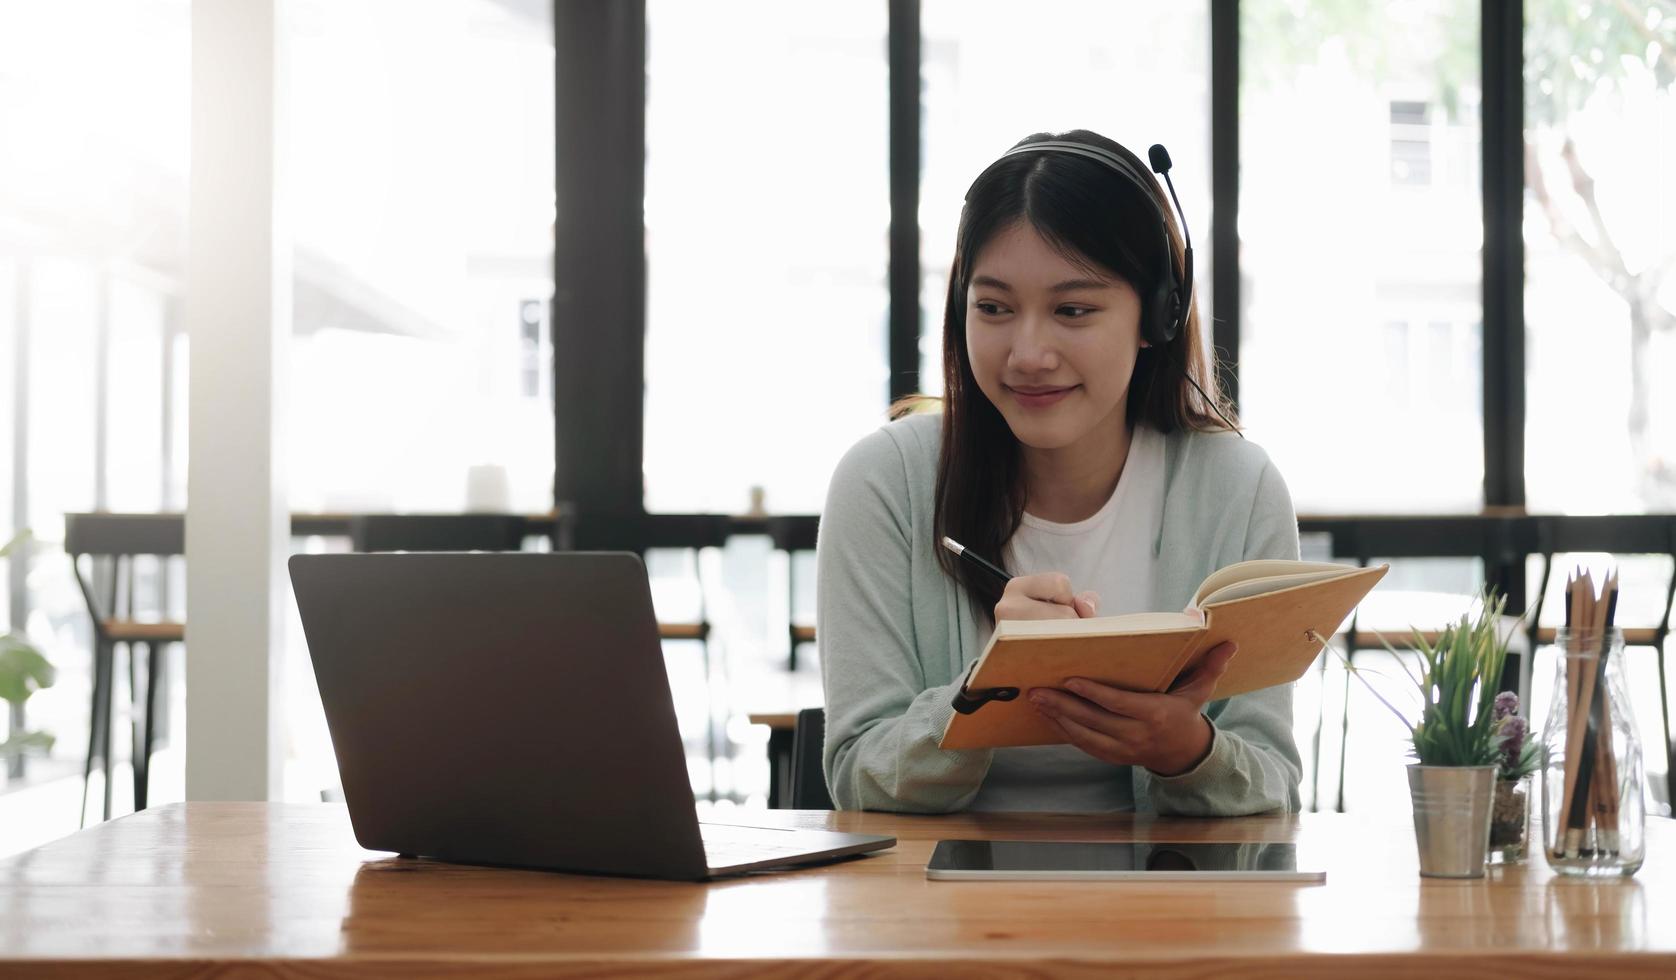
<point>726,845</point>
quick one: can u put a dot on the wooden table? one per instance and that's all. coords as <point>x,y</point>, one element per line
<point>282,890</point>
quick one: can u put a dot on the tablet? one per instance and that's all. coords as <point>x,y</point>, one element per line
<point>986,860</point>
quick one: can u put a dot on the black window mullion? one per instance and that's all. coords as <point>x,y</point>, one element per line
<point>1502,59</point>
<point>1225,190</point>
<point>1501,52</point>
<point>903,52</point>
<point>599,258</point>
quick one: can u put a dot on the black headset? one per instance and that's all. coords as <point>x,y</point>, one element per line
<point>1165,310</point>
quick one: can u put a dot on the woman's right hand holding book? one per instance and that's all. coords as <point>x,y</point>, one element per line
<point>1045,596</point>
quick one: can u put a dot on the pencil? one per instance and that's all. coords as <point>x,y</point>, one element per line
<point>1586,728</point>
<point>976,561</point>
<point>1579,593</point>
<point>1607,776</point>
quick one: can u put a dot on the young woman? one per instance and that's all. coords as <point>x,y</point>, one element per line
<point>1081,446</point>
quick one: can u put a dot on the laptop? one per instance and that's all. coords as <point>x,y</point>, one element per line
<point>513,709</point>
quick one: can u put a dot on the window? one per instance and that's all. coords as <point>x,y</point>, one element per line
<point>767,206</point>
<point>1359,242</point>
<point>1133,71</point>
<point>96,105</point>
<point>534,348</point>
<point>1411,143</point>
<point>422,207</point>
<point>1600,257</point>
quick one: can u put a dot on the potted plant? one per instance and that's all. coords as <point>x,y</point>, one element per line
<point>1518,757</point>
<point>1457,741</point>
<point>23,671</point>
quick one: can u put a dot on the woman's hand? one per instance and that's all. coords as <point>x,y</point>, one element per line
<point>1045,596</point>
<point>1164,732</point>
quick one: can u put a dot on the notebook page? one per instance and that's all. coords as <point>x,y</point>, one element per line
<point>1262,586</point>
<point>1263,568</point>
<point>1099,625</point>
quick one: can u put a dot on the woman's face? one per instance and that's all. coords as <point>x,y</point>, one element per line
<point>1052,345</point>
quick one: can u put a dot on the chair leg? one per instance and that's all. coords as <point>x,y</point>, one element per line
<point>1669,746</point>
<point>140,719</point>
<point>791,611</point>
<point>108,724</point>
<point>165,682</point>
<point>709,715</point>
<point>135,732</point>
<point>1344,732</point>
<point>1315,740</point>
<point>96,712</point>
<point>157,665</point>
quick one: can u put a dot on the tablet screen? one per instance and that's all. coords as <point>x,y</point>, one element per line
<point>1147,860</point>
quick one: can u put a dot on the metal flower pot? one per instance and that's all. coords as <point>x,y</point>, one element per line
<point>1452,806</point>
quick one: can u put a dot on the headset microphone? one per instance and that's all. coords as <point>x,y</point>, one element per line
<point>1160,160</point>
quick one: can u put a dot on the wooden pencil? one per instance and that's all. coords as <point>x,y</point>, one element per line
<point>1556,830</point>
<point>1590,706</point>
<point>1607,776</point>
<point>1580,692</point>
<point>1589,762</point>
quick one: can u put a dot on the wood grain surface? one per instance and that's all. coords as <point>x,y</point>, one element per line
<point>282,890</point>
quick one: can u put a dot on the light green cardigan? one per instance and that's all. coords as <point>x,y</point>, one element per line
<point>897,634</point>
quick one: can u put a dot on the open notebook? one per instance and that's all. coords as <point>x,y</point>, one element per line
<point>1274,610</point>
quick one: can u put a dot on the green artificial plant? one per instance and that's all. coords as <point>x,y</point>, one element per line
<point>1457,679</point>
<point>23,671</point>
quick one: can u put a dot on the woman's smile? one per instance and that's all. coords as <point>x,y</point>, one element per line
<point>1039,396</point>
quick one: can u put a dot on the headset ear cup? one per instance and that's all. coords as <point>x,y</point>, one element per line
<point>1172,325</point>
<point>1159,319</point>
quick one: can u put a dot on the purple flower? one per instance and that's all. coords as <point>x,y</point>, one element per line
<point>1513,729</point>
<point>1507,705</point>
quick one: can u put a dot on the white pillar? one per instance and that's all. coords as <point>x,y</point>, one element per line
<point>238,316</point>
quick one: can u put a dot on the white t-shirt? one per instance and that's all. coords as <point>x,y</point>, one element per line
<point>1110,553</point>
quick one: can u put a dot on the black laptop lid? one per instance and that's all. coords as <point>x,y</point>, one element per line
<point>501,709</point>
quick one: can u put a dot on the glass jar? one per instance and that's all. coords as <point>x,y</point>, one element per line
<point>1510,813</point>
<point>1592,817</point>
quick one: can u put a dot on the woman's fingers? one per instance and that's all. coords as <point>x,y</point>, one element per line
<point>1020,607</point>
<point>1089,714</point>
<point>1044,596</point>
<point>1046,587</point>
<point>1096,743</point>
<point>1202,684</point>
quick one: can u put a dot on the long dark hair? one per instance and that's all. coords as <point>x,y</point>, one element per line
<point>1097,218</point>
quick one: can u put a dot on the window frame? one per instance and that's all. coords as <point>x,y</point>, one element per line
<point>600,264</point>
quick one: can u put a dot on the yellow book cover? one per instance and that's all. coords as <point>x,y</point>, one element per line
<point>1274,610</point>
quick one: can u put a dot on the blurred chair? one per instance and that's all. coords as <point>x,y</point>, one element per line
<point>1617,536</point>
<point>102,550</point>
<point>808,777</point>
<point>794,536</point>
<point>437,532</point>
<point>782,742</point>
<point>641,533</point>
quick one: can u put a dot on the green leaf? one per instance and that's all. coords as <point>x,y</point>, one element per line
<point>27,742</point>
<point>23,670</point>
<point>17,539</point>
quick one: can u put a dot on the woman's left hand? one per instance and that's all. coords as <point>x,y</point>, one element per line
<point>1164,732</point>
